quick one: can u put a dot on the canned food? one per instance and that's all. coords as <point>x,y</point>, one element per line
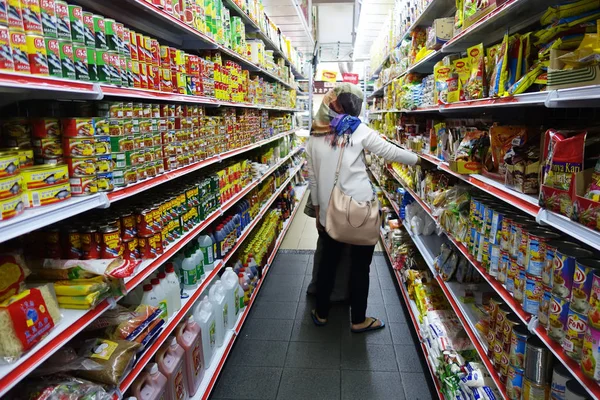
<point>119,177</point>
<point>63,27</point>
<point>514,382</point>
<point>67,59</point>
<point>547,272</point>
<point>533,391</point>
<point>49,21</point>
<point>511,321</point>
<point>124,71</point>
<point>130,249</point>
<point>74,127</point>
<point>111,245</point>
<point>81,166</point>
<point>536,252</point>
<point>25,156</point>
<point>559,312</point>
<point>590,358</point>
<point>90,248</point>
<point>9,163</point>
<point>533,294</point>
<point>88,30</point>
<point>32,18</point>
<point>575,391</point>
<point>20,56</point>
<point>100,32</point>
<point>560,376</point>
<point>564,269</point>
<point>81,62</point>
<point>112,40</point>
<point>11,207</point>
<point>71,243</point>
<point>92,68</point>
<point>503,266</point>
<point>83,185</point>
<point>10,186</point>
<point>47,195</point>
<point>115,67</point>
<point>575,329</point>
<point>53,55</point>
<point>130,175</point>
<point>41,176</point>
<point>518,339</point>
<point>104,163</point>
<point>76,21</point>
<point>144,222</point>
<point>105,182</point>
<point>46,128</point>
<point>519,289</point>
<point>6,54</point>
<point>511,274</point>
<point>544,310</point>
<point>47,148</point>
<point>121,143</point>
<point>79,146</point>
<point>102,145</point>
<point>585,271</point>
<point>14,14</point>
<point>118,160</point>
<point>538,361</point>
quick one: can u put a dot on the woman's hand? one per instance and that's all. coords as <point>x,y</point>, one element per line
<point>320,227</point>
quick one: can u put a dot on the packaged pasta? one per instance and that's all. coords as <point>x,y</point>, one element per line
<point>557,12</point>
<point>81,287</point>
<point>13,272</point>
<point>526,81</point>
<point>495,87</point>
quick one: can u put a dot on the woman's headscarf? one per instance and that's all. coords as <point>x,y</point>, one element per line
<point>338,114</point>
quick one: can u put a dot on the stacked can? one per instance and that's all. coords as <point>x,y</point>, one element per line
<point>538,370</point>
<point>11,201</point>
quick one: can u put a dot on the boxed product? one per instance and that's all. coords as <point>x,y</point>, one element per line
<point>568,78</point>
<point>439,33</point>
<point>586,209</point>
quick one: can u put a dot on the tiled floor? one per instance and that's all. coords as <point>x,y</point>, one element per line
<point>280,354</point>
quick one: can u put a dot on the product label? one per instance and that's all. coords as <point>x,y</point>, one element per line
<point>197,359</point>
<point>104,349</point>
<point>163,306</point>
<point>212,331</point>
<point>30,317</point>
<point>225,307</point>
<point>180,391</point>
<point>189,277</point>
<point>236,296</point>
<point>199,270</point>
<point>208,255</point>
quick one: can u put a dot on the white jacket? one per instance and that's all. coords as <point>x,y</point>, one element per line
<point>353,180</point>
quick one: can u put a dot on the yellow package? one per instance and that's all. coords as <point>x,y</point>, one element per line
<point>568,42</point>
<point>515,59</point>
<point>526,81</point>
<point>80,287</point>
<point>490,61</point>
<point>441,74</point>
<point>459,16</point>
<point>502,75</point>
<point>462,70</point>
<point>89,300</point>
<point>526,53</point>
<point>558,12</point>
<point>475,85</point>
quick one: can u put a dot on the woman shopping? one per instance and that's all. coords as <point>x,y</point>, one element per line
<point>344,200</point>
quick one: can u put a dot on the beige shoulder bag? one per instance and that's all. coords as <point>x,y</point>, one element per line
<point>350,221</point>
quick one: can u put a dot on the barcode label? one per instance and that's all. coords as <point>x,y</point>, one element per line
<point>35,199</point>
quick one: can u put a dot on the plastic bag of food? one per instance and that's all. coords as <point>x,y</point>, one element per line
<point>429,227</point>
<point>515,59</point>
<point>54,270</point>
<point>490,62</point>
<point>475,88</point>
<point>59,388</point>
<point>65,360</point>
<point>568,9</point>
<point>593,189</point>
<point>27,318</point>
<point>502,139</point>
<point>462,71</point>
<point>13,271</point>
<point>115,356</point>
<point>441,74</point>
<point>563,157</point>
<point>526,81</point>
<point>416,225</point>
<point>132,328</point>
<point>495,88</point>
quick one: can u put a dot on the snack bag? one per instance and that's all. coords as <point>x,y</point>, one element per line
<point>526,81</point>
<point>502,139</point>
<point>490,62</point>
<point>515,58</point>
<point>593,190</point>
<point>557,12</point>
<point>462,70</point>
<point>496,88</point>
<point>441,75</point>
<point>475,86</point>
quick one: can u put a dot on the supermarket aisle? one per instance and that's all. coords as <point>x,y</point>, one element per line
<point>280,354</point>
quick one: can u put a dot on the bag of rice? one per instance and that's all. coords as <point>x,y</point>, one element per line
<point>115,356</point>
<point>27,318</point>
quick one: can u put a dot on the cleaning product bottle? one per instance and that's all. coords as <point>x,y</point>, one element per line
<point>211,235</point>
<point>253,265</point>
<point>170,362</point>
<point>150,385</point>
<point>206,245</point>
<point>149,298</point>
<point>233,293</point>
<point>190,339</point>
<point>162,277</point>
<point>216,296</point>
<point>206,319</point>
<point>189,270</point>
<point>174,288</point>
<point>219,237</point>
<point>162,298</point>
<point>243,279</point>
<point>199,260</point>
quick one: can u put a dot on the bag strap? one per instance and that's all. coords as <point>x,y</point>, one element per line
<point>339,165</point>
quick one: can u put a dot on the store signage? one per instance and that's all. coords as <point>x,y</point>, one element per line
<point>350,78</point>
<point>329,76</point>
<point>321,87</point>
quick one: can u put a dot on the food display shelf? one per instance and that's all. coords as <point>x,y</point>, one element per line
<point>590,385</point>
<point>142,15</point>
<point>194,294</point>
<point>74,321</point>
<point>413,312</point>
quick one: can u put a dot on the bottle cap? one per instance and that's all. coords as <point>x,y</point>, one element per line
<point>147,288</point>
<point>169,268</point>
<point>153,368</point>
<point>155,281</point>
<point>162,275</point>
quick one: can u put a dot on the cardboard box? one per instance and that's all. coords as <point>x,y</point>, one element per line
<point>439,33</point>
<point>558,79</point>
<point>585,211</point>
<point>466,167</point>
<point>523,177</point>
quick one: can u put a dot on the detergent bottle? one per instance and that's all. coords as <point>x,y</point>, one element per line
<point>253,265</point>
<point>233,293</point>
<point>189,270</point>
<point>216,295</point>
<point>199,260</point>
<point>161,296</point>
<point>246,288</point>
<point>170,363</point>
<point>168,292</point>
<point>174,287</point>
<point>150,385</point>
<point>206,319</point>
<point>189,338</point>
<point>219,239</point>
<point>206,245</point>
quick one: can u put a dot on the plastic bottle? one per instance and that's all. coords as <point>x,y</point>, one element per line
<point>170,362</point>
<point>199,260</point>
<point>150,385</point>
<point>238,224</point>
<point>233,293</point>
<point>214,252</point>
<point>254,267</point>
<point>173,287</point>
<point>206,319</point>
<point>206,245</point>
<point>243,279</point>
<point>189,270</point>
<point>219,237</point>
<point>164,286</point>
<point>149,297</point>
<point>216,296</point>
<point>189,338</point>
<point>161,296</point>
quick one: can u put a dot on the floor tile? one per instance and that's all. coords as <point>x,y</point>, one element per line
<point>288,258</point>
<point>417,387</point>
<point>290,243</point>
<point>397,314</point>
<point>283,280</point>
<point>338,313</point>
<point>313,355</point>
<point>273,309</point>
<point>306,331</point>
<point>371,385</point>
<point>281,293</point>
<point>387,282</point>
<point>309,384</point>
<point>377,311</point>
<point>258,353</point>
<point>408,358</point>
<point>308,243</point>
<point>368,357</point>
<point>289,268</point>
<point>380,336</point>
<point>391,297</point>
<point>267,329</point>
<point>401,333</point>
<point>236,383</point>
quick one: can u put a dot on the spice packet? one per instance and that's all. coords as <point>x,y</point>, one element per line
<point>475,86</point>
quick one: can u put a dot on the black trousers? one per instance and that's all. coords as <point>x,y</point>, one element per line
<point>361,257</point>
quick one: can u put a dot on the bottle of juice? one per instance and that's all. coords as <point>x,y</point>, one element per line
<point>216,296</point>
<point>206,319</point>
<point>170,362</point>
<point>189,338</point>
<point>150,385</point>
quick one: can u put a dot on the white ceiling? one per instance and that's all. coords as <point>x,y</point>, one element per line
<point>373,14</point>
<point>288,16</point>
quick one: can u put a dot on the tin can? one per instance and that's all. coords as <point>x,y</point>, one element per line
<point>501,315</point>
<point>81,62</point>
<point>79,146</point>
<point>89,35</point>
<point>103,68</point>
<point>104,163</point>
<point>112,40</point>
<point>9,163</point>
<point>145,247</point>
<point>53,53</point>
<point>111,245</point>
<point>36,53</point>
<point>144,222</point>
<point>18,44</point>
<point>81,166</point>
<point>124,71</point>
<point>512,273</point>
<point>514,382</point>
<point>535,255</point>
<point>130,175</point>
<point>32,18</point>
<point>511,321</point>
<point>115,127</point>
<point>52,242</point>
<point>519,289</point>
<point>90,248</point>
<point>10,186</point>
<point>47,195</point>
<point>71,243</point>
<point>25,156</point>
<point>533,294</point>
<point>119,31</point>
<point>41,176</point>
<point>6,55</point>
<point>130,249</point>
<point>105,182</point>
<point>92,67</point>
<point>3,13</point>
<point>118,160</point>
<point>49,20</point>
<point>559,312</point>
<point>590,358</point>
<point>585,270</point>
<point>63,20</point>
<point>538,361</point>
<point>575,329</point>
<point>564,269</point>
<point>115,67</point>
<point>102,145</point>
<point>83,185</point>
<point>14,15</point>
<point>100,32</point>
<point>560,376</point>
<point>121,143</point>
<point>143,74</point>
<point>77,27</point>
<point>11,207</point>
<point>518,340</point>
<point>67,59</point>
<point>575,391</point>
<point>545,303</point>
<point>533,391</point>
<point>77,127</point>
<point>134,68</point>
<point>133,46</point>
<point>47,148</point>
<point>126,43</point>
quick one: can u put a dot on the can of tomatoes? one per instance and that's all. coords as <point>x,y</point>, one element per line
<point>53,53</point>
<point>18,44</point>
<point>6,55</point>
<point>67,59</point>
<point>36,53</point>
<point>111,245</point>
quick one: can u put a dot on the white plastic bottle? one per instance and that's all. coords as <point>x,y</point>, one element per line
<point>162,297</point>
<point>173,287</point>
<point>233,293</point>
<point>199,260</point>
<point>206,319</point>
<point>216,296</point>
<point>149,298</point>
<point>188,268</point>
<point>206,245</point>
